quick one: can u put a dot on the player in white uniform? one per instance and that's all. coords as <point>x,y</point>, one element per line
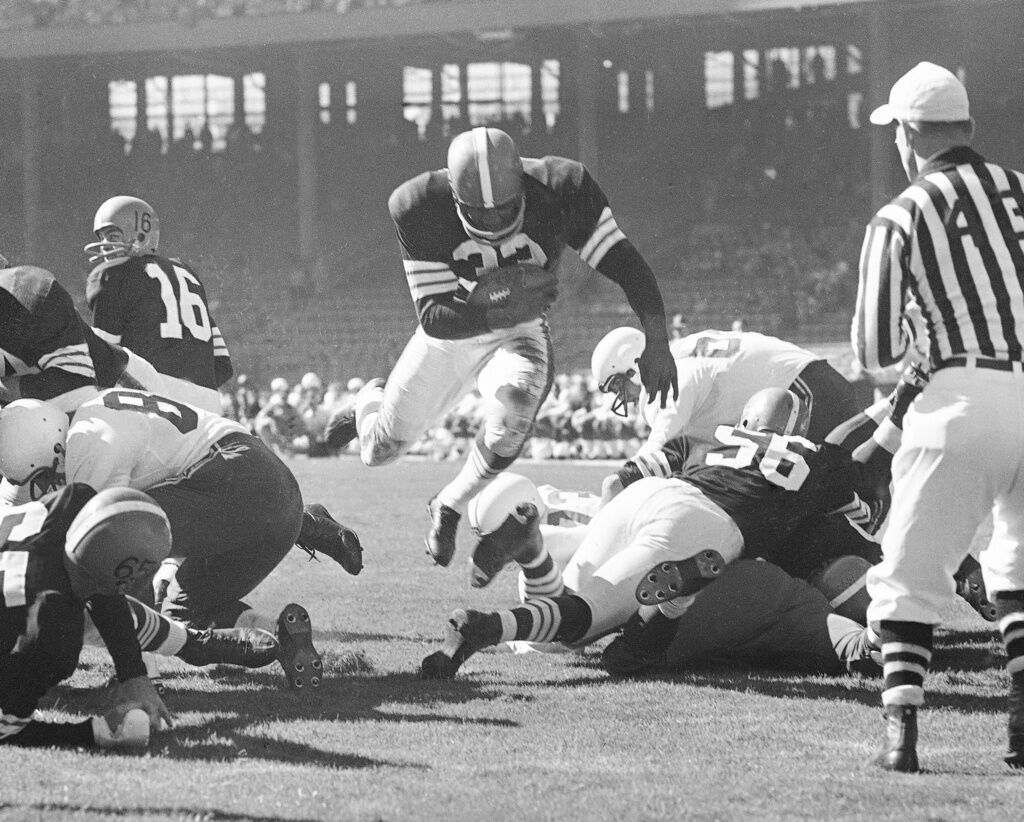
<point>235,508</point>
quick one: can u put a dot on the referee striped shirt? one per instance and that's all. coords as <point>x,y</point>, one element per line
<point>952,242</point>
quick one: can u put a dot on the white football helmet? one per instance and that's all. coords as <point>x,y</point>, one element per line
<point>486,176</point>
<point>777,410</point>
<point>492,506</point>
<point>614,364</point>
<point>124,227</point>
<point>32,442</point>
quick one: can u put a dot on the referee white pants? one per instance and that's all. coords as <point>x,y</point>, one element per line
<point>962,457</point>
<point>651,521</point>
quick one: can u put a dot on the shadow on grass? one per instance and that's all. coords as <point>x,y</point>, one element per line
<point>243,698</point>
<point>65,809</point>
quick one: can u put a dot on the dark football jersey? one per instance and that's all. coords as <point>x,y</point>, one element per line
<point>32,554</point>
<point>32,538</point>
<point>767,483</point>
<point>158,308</point>
<point>45,342</point>
<point>564,208</point>
<point>41,331</point>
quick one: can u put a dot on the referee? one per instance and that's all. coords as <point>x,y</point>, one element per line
<point>951,244</point>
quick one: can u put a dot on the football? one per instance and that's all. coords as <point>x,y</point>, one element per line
<point>514,294</point>
<point>491,507</point>
<point>843,583</point>
<point>116,542</point>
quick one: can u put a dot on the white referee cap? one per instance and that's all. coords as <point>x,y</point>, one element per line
<point>926,94</point>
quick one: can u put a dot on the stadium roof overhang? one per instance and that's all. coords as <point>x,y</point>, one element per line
<point>407,21</point>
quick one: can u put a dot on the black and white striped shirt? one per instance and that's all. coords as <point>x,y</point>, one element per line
<point>952,242</point>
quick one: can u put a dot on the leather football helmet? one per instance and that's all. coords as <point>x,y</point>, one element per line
<point>486,176</point>
<point>124,227</point>
<point>777,410</point>
<point>32,443</point>
<point>493,505</point>
<point>614,365</point>
<point>116,543</point>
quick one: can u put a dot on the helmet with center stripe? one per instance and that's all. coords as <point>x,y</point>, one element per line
<point>486,176</point>
<point>777,410</point>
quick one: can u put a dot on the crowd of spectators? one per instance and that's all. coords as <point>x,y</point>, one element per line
<point>39,13</point>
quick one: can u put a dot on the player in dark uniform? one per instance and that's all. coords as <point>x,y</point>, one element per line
<point>746,500</point>
<point>155,306</point>
<point>462,229</point>
<point>41,625</point>
<point>48,351</point>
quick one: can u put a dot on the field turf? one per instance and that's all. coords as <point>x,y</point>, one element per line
<point>515,737</point>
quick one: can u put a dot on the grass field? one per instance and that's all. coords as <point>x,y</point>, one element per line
<point>531,737</point>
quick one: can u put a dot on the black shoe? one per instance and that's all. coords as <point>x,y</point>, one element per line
<point>517,539</point>
<point>341,427</point>
<point>441,538</point>
<point>300,660</point>
<point>229,646</point>
<point>971,588</point>
<point>680,578</point>
<point>467,633</point>
<point>899,749</point>
<point>641,647</point>
<point>324,534</point>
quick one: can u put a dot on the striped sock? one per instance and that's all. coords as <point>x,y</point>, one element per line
<point>157,634</point>
<point>1010,610</point>
<point>481,466</point>
<point>906,653</point>
<point>546,619</point>
<point>541,578</point>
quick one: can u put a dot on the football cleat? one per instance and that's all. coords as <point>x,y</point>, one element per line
<point>229,646</point>
<point>467,633</point>
<point>444,523</point>
<point>300,660</point>
<point>971,588</point>
<point>899,749</point>
<point>641,647</point>
<point>680,578</point>
<point>341,427</point>
<point>324,534</point>
<point>1015,752</point>
<point>518,539</point>
<point>131,734</point>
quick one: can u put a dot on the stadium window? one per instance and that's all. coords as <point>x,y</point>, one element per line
<point>417,95</point>
<point>751,74</point>
<point>550,80</point>
<point>199,100</point>
<point>498,92</point>
<point>854,60</point>
<point>254,100</point>
<point>622,87</point>
<point>819,64</point>
<point>649,91</point>
<point>854,101</point>
<point>122,98</point>
<point>323,99</point>
<point>157,107</point>
<point>451,95</point>
<point>351,102</point>
<point>783,66</point>
<point>718,79</point>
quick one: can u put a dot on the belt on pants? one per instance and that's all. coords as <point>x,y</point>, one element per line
<point>970,361</point>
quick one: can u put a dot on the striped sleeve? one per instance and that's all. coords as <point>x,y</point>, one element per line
<point>878,336</point>
<point>606,235</point>
<point>429,279</point>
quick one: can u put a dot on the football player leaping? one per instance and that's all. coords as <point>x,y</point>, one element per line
<point>481,240</point>
<point>152,305</point>
<point>234,507</point>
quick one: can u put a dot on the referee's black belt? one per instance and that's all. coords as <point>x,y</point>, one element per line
<point>970,361</point>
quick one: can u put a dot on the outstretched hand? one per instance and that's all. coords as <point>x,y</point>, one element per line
<point>139,692</point>
<point>658,371</point>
